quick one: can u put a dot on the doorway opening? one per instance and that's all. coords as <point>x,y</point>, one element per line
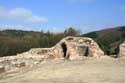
<point>64,47</point>
<point>86,52</point>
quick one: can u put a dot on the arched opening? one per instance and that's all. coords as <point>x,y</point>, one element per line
<point>64,47</point>
<point>83,51</point>
<point>86,52</point>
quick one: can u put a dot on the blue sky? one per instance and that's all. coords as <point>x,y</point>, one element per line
<point>57,15</point>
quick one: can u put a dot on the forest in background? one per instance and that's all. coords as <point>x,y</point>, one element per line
<point>18,41</point>
<point>13,42</point>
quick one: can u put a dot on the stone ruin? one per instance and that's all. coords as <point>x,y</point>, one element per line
<point>70,48</point>
<point>122,50</point>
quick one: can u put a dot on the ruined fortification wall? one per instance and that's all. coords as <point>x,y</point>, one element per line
<point>70,48</point>
<point>122,50</point>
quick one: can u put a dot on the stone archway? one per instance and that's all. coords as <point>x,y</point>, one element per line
<point>86,52</point>
<point>64,47</point>
<point>83,50</point>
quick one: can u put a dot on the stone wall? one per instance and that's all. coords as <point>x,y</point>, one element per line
<point>122,50</point>
<point>70,48</point>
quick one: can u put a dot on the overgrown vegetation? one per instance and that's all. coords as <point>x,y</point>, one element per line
<point>109,39</point>
<point>17,41</point>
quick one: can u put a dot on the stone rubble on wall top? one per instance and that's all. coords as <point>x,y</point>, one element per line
<point>72,48</point>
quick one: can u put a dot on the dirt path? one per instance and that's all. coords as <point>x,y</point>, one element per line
<point>104,70</point>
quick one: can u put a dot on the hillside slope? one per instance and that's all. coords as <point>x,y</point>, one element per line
<point>18,41</point>
<point>108,39</point>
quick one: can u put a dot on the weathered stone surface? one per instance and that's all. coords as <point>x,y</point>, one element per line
<point>122,50</point>
<point>2,69</point>
<point>70,48</point>
<point>81,46</point>
<point>12,63</point>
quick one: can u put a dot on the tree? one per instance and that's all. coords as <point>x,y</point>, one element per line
<point>71,32</point>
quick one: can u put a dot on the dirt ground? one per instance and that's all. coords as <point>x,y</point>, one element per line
<point>101,70</point>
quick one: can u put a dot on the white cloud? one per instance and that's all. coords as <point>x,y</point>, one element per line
<point>19,27</point>
<point>21,15</point>
<point>37,19</point>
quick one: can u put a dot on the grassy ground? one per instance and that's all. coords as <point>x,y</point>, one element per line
<point>102,70</point>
